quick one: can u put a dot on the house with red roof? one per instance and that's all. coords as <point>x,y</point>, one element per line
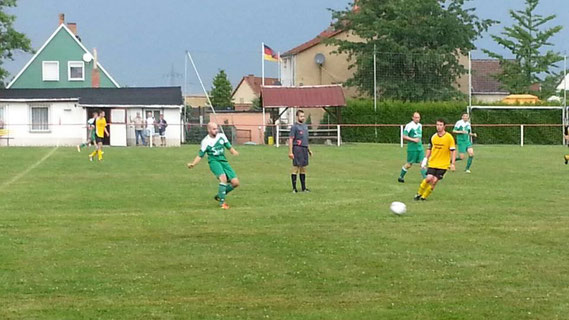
<point>249,89</point>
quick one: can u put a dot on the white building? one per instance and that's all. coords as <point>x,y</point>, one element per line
<point>49,117</point>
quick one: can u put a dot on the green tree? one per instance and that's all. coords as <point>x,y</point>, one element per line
<point>10,39</point>
<point>525,41</point>
<point>419,45</point>
<point>221,91</point>
<point>257,105</point>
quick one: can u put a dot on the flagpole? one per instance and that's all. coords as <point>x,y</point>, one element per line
<point>263,62</point>
<point>263,83</point>
<point>279,66</point>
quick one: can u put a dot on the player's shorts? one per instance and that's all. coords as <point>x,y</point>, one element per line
<point>92,136</point>
<point>99,139</point>
<point>415,156</point>
<point>162,133</point>
<point>300,156</point>
<point>219,168</point>
<point>463,147</point>
<point>439,173</point>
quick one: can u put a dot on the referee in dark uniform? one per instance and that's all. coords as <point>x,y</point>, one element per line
<point>298,151</point>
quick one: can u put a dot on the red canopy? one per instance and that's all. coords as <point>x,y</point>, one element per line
<point>303,97</point>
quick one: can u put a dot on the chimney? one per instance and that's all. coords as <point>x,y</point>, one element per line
<point>73,27</point>
<point>95,76</point>
<point>61,18</point>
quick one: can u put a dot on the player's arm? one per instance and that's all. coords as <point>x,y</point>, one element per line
<point>106,131</point>
<point>407,138</point>
<point>427,154</point>
<point>229,147</point>
<point>290,142</point>
<point>452,154</point>
<point>192,164</point>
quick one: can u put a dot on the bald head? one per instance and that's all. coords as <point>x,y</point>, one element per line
<point>416,117</point>
<point>212,129</point>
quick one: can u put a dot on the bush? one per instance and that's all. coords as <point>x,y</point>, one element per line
<point>399,113</point>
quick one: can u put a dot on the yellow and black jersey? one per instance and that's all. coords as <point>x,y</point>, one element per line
<point>441,150</point>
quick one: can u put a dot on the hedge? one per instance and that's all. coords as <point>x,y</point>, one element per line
<point>398,112</point>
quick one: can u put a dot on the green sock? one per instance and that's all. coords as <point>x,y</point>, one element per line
<point>458,158</point>
<point>221,192</point>
<point>403,173</point>
<point>424,173</point>
<point>83,145</point>
<point>228,189</point>
<point>469,163</point>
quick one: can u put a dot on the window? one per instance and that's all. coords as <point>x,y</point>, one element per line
<point>76,70</point>
<point>39,114</point>
<point>50,71</point>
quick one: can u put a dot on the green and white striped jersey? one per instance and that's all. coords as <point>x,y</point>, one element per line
<point>414,130</point>
<point>462,125</point>
<point>214,147</point>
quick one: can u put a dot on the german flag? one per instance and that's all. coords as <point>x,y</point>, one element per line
<point>270,54</point>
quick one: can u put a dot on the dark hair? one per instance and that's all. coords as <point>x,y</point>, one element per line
<point>298,112</point>
<point>464,113</point>
<point>442,120</point>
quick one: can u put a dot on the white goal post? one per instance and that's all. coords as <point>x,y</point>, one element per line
<point>564,120</point>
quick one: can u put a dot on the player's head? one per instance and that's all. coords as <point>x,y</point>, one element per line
<point>149,114</point>
<point>161,116</point>
<point>138,114</point>
<point>212,129</point>
<point>416,117</point>
<point>300,116</point>
<point>441,123</point>
<point>102,114</point>
<point>95,114</point>
<point>465,116</point>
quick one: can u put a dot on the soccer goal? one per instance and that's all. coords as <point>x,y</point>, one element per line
<point>538,125</point>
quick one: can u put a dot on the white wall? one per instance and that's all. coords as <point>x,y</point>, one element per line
<point>287,71</point>
<point>66,125</point>
<point>171,115</point>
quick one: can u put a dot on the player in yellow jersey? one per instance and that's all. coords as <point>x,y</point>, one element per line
<point>100,131</point>
<point>441,156</point>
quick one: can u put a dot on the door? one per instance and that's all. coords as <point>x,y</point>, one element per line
<point>118,127</point>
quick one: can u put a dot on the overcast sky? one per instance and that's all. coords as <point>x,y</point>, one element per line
<point>140,42</point>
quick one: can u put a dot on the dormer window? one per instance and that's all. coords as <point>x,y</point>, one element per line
<point>76,70</point>
<point>50,70</point>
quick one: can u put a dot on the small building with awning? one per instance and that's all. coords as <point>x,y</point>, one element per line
<point>50,117</point>
<point>278,100</point>
<point>281,102</point>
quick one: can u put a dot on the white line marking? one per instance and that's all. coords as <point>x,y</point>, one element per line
<point>32,167</point>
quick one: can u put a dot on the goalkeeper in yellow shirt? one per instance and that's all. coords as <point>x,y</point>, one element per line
<point>440,156</point>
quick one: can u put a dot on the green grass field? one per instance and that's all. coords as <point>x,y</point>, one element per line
<point>139,236</point>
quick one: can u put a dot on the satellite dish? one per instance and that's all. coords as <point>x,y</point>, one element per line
<point>87,57</point>
<point>319,59</point>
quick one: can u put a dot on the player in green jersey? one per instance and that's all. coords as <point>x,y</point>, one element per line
<point>90,132</point>
<point>463,132</point>
<point>413,134</point>
<point>214,145</point>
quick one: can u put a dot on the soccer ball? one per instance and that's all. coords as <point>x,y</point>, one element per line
<point>398,207</point>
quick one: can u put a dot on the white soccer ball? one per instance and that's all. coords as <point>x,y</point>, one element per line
<point>398,207</point>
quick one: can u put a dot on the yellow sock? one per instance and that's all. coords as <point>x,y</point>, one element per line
<point>422,187</point>
<point>93,153</point>
<point>427,192</point>
<point>100,154</point>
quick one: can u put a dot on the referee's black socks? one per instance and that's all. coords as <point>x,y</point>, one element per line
<point>303,181</point>
<point>293,178</point>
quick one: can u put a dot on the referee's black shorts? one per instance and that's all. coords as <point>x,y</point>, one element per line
<point>439,173</point>
<point>300,156</point>
<point>99,139</point>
